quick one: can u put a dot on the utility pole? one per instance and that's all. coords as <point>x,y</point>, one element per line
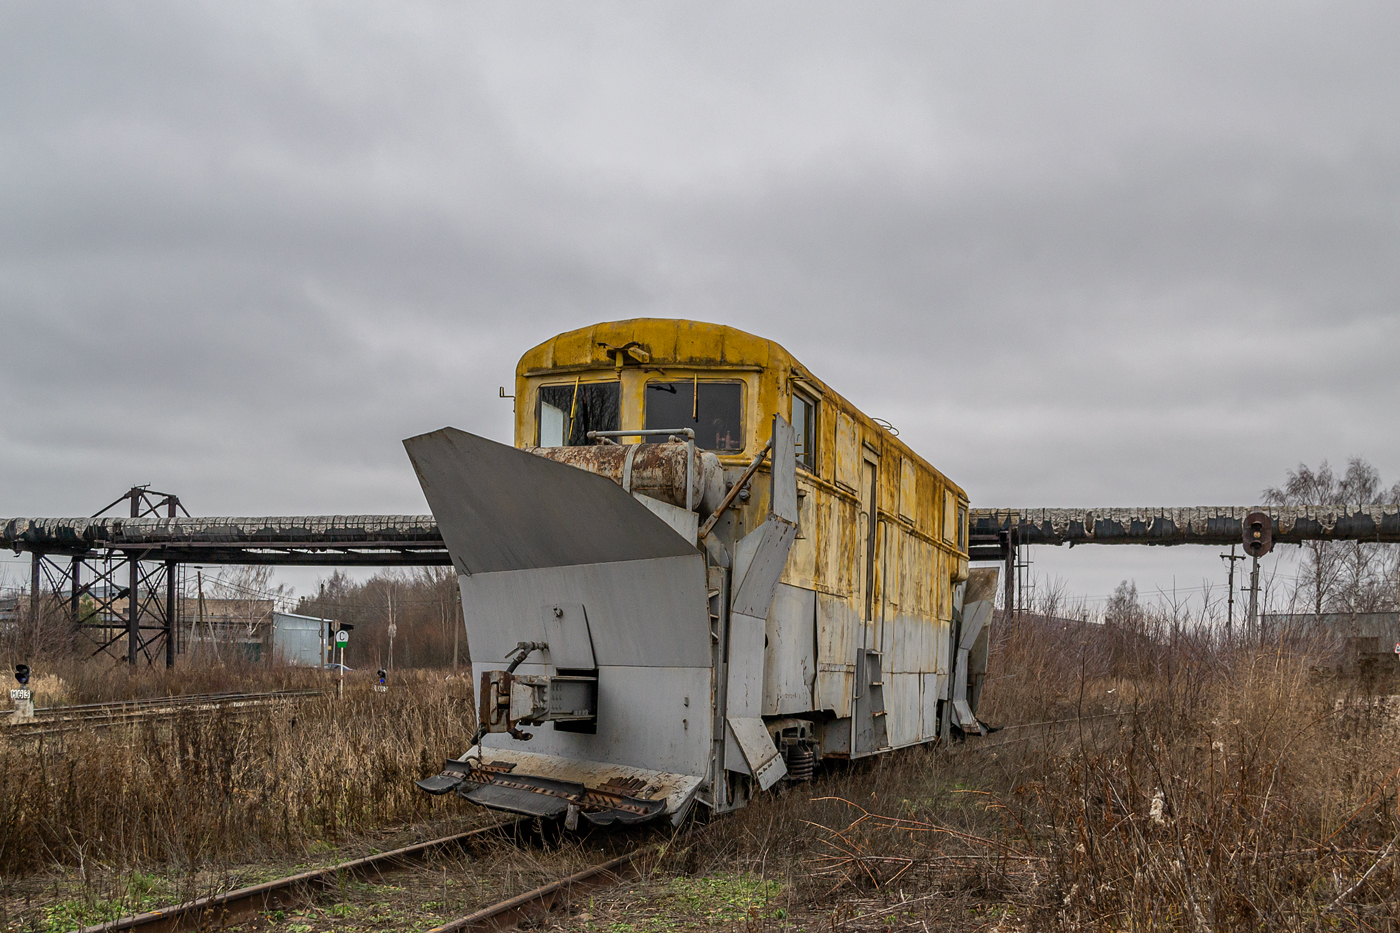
<point>1230,590</point>
<point>209,630</point>
<point>1258,541</point>
<point>393,630</point>
<point>1254,599</point>
<point>321,606</point>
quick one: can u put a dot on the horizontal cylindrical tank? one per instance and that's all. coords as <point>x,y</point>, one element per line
<point>657,470</point>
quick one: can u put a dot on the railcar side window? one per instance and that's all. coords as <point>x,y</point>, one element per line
<point>804,426</point>
<point>569,412</point>
<point>962,527</point>
<point>715,412</point>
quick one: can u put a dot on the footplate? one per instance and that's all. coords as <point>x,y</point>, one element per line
<point>551,786</point>
<point>453,774</point>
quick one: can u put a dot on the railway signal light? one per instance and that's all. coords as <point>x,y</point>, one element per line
<point>382,674</point>
<point>22,674</point>
<point>1258,534</point>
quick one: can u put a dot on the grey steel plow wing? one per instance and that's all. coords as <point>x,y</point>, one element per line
<point>503,509</point>
<point>1211,525</point>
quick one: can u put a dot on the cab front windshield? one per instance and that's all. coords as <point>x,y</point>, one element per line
<point>714,410</point>
<point>568,412</point>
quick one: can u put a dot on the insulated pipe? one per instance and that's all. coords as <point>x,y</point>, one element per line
<point>1212,525</point>
<point>79,534</point>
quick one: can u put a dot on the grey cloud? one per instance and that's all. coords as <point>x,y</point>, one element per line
<point>1079,253</point>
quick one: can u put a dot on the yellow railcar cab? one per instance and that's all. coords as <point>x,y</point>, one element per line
<point>727,384</point>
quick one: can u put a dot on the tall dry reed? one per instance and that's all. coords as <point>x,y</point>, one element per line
<point>1197,786</point>
<point>191,789</point>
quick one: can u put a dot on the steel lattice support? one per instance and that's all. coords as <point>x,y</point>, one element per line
<point>126,596</point>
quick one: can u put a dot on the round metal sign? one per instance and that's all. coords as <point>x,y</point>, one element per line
<point>342,638</point>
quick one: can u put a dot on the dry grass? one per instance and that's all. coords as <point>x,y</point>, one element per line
<point>189,791</point>
<point>65,681</point>
<point>1228,790</point>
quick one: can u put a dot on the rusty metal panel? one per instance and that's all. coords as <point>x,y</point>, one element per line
<point>848,457</point>
<point>930,692</point>
<point>677,790</point>
<point>759,559</point>
<point>757,750</point>
<point>502,509</point>
<point>976,614</point>
<point>943,658</point>
<point>837,629</point>
<point>744,686</point>
<point>762,555</point>
<point>805,557</point>
<point>655,470</point>
<point>744,693</point>
<point>783,465</point>
<point>904,714</point>
<point>908,489</point>
<point>836,543</point>
<point>790,662</point>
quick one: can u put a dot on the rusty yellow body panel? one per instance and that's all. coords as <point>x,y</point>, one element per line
<point>883,536</point>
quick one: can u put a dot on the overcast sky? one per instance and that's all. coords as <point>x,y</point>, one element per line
<point>1080,254</point>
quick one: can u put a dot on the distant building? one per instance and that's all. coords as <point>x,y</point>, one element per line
<point>9,613</point>
<point>296,639</point>
<point>1363,637</point>
<point>256,629</point>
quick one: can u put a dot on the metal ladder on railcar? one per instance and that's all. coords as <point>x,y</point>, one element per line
<point>872,704</point>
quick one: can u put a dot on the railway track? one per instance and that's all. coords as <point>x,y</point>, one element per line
<point>245,904</point>
<point>229,909</point>
<point>233,907</point>
<point>57,719</point>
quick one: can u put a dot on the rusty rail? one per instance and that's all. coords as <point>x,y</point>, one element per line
<point>235,906</point>
<point>56,719</point>
<point>510,912</point>
<point>507,914</point>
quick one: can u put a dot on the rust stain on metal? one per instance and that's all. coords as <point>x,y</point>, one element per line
<point>655,470</point>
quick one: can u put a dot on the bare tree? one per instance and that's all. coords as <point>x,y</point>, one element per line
<point>424,612</point>
<point>1352,576</point>
<point>1306,486</point>
<point>1124,610</point>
